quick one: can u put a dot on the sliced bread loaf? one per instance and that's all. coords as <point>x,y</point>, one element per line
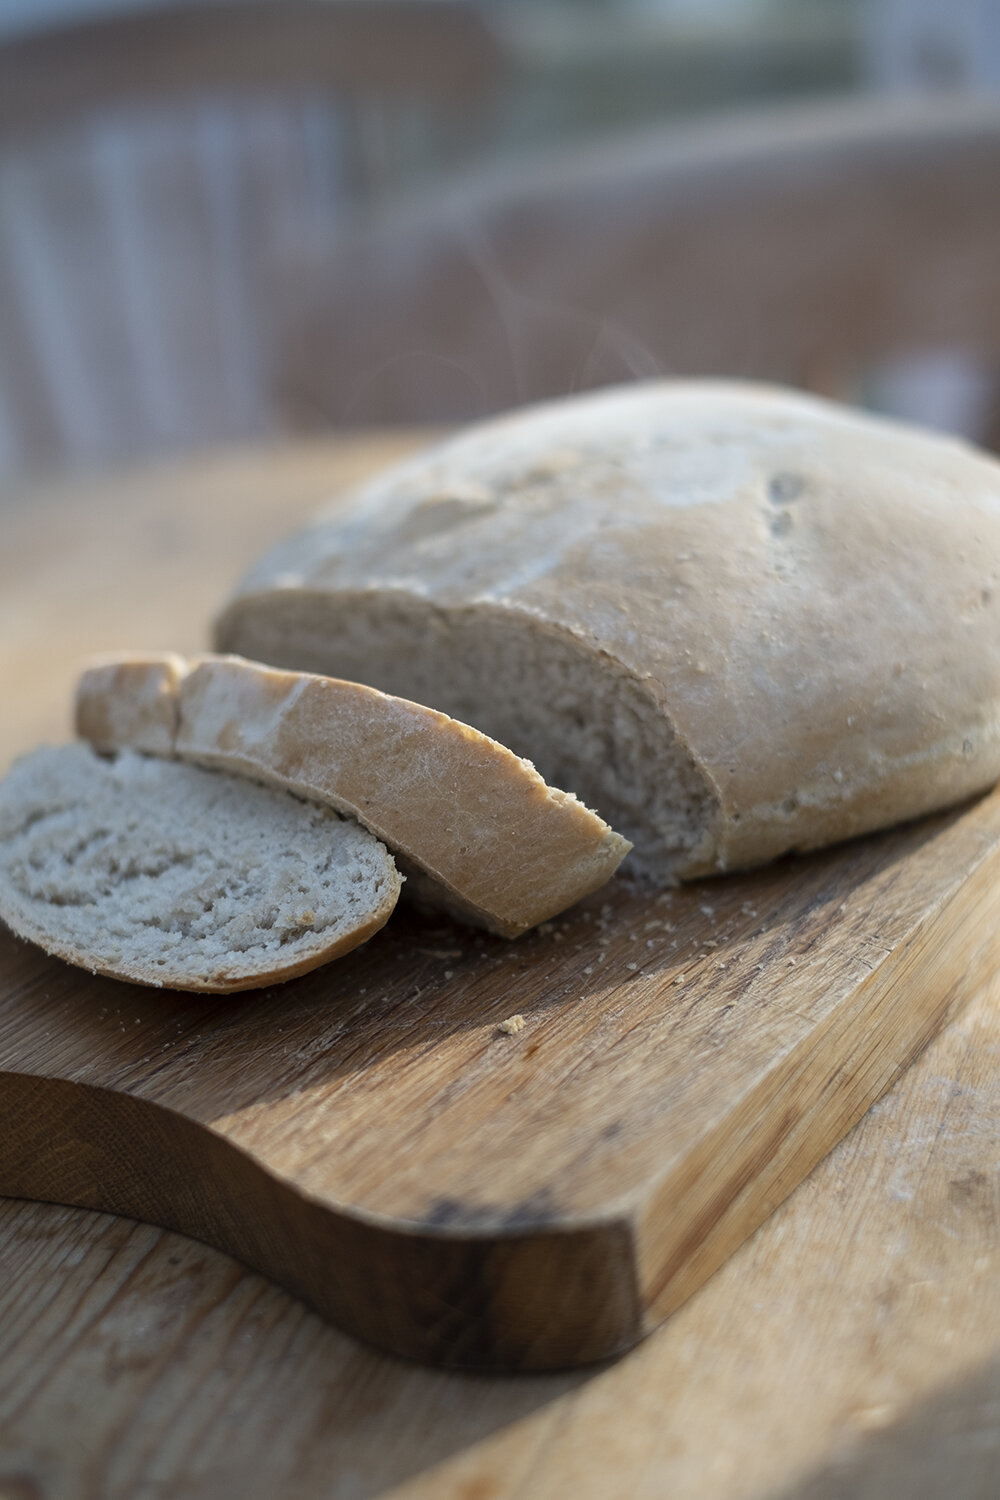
<point>166,874</point>
<point>477,829</point>
<point>735,620</point>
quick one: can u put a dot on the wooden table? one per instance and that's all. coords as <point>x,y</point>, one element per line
<point>851,1348</point>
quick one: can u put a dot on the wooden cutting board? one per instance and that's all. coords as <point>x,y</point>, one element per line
<point>371,1137</point>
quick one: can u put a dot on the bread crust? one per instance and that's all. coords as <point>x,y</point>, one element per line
<point>808,597</point>
<point>225,982</point>
<point>130,700</point>
<point>497,845</point>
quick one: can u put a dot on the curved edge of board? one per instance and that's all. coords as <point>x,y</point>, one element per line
<point>537,1298</point>
<point>693,1219</point>
<point>523,1285</point>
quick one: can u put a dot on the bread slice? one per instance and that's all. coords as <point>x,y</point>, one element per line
<point>131,701</point>
<point>478,830</point>
<point>735,620</point>
<point>166,874</point>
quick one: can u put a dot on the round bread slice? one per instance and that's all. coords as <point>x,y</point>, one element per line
<point>476,829</point>
<point>170,875</point>
<point>733,619</point>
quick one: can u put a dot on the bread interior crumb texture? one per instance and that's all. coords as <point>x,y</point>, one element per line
<point>538,691</point>
<point>173,874</point>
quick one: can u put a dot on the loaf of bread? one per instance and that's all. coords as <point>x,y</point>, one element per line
<point>733,619</point>
<point>166,874</point>
<point>476,829</point>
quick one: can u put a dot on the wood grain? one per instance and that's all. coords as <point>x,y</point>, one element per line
<point>851,1346</point>
<point>368,1137</point>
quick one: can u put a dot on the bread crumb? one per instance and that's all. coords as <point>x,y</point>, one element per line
<point>631,966</point>
<point>680,978</point>
<point>512,1025</point>
<point>449,973</point>
<point>589,969</point>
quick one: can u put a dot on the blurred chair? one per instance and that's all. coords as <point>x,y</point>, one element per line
<point>154,168</point>
<point>807,246</point>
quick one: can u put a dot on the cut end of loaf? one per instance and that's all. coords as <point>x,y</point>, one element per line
<point>599,734</point>
<point>171,875</point>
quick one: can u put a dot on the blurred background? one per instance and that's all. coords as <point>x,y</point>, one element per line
<point>238,218</point>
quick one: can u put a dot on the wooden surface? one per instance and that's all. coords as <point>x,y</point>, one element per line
<point>369,1137</point>
<point>849,1351</point>
<point>851,1347</point>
